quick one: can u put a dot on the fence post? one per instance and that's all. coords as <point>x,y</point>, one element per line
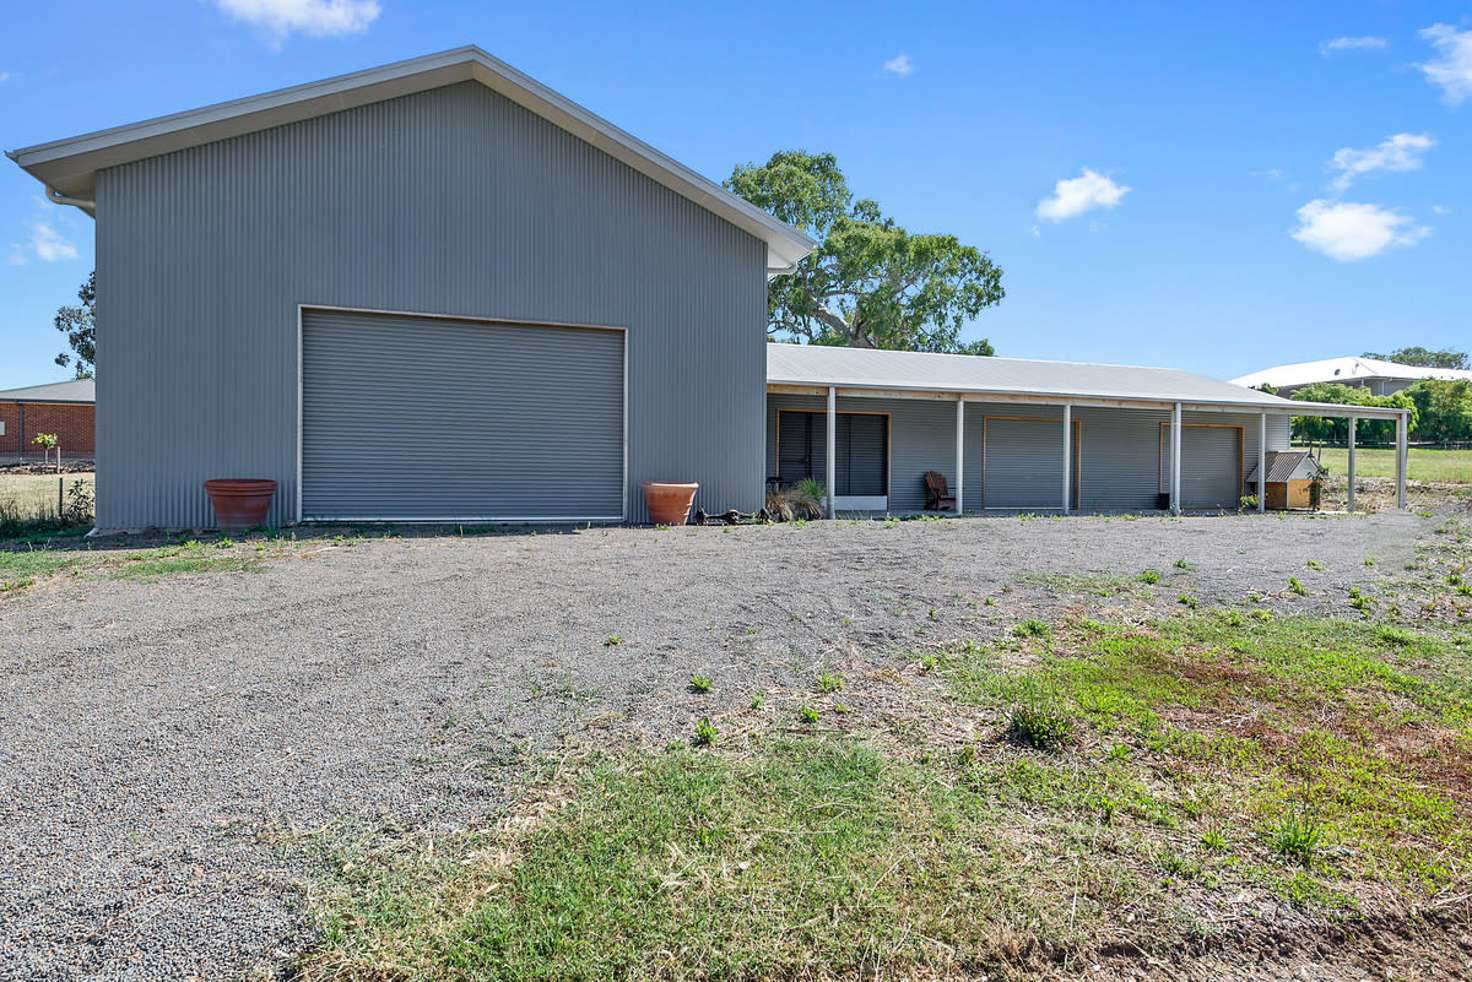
<point>60,482</point>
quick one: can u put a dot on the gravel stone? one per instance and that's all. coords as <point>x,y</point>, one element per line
<point>157,737</point>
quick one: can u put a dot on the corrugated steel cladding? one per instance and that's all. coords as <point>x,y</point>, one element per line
<point>430,419</point>
<point>1120,465</point>
<point>453,201</point>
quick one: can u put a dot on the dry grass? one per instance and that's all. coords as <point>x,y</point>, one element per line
<point>34,495</point>
<point>1426,465</point>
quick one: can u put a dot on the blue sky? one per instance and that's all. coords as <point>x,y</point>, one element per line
<point>1239,188</point>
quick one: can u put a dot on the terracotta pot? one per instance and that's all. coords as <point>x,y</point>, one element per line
<point>669,504</point>
<point>240,503</point>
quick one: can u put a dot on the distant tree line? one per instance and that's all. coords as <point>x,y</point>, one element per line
<point>1441,411</point>
<point>1424,357</point>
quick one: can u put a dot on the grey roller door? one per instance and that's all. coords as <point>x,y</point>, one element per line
<point>419,418</point>
<point>1211,458</point>
<point>1024,463</point>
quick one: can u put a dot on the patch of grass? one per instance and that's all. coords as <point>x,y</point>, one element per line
<point>1032,628</point>
<point>1097,584</point>
<point>1187,600</point>
<point>705,733</point>
<point>701,683</point>
<point>1347,721</point>
<point>613,641</point>
<point>148,568</point>
<point>810,858</point>
<point>829,682</point>
<point>1150,576</point>
<point>1297,837</point>
<point>1038,727</point>
<point>31,563</point>
<point>1184,566</point>
<point>758,700</point>
<point>1295,585</point>
<point>807,714</point>
<point>1426,464</point>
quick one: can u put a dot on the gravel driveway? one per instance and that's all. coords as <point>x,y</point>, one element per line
<point>157,737</point>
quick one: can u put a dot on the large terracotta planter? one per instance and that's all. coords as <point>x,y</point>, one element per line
<point>240,503</point>
<point>669,504</point>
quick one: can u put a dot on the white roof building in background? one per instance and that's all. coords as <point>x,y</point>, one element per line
<point>862,368</point>
<point>1381,377</point>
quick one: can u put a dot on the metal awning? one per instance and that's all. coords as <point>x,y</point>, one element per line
<point>813,369</point>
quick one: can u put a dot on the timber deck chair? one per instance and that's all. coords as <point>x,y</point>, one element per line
<point>938,495</point>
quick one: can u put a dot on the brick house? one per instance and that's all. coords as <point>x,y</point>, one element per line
<point>65,408</point>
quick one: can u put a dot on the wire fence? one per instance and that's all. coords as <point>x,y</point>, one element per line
<point>37,502</point>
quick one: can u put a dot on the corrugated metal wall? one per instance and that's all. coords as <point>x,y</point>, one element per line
<point>455,201</point>
<point>1024,463</point>
<point>1119,466</point>
<point>418,418</point>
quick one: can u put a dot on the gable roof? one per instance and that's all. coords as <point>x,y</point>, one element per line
<point>1346,369</point>
<point>73,390</point>
<point>807,364</point>
<point>1284,464</point>
<point>70,166</point>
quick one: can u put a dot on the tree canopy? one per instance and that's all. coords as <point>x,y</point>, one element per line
<point>79,324</point>
<point>1319,429</point>
<point>1443,409</point>
<point>1424,357</point>
<point>870,283</point>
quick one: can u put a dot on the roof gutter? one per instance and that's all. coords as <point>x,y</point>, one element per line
<point>89,205</point>
<point>1287,408</point>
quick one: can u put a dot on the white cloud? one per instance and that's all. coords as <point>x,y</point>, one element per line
<point>899,65</point>
<point>1452,69</point>
<point>1348,232</point>
<point>17,255</point>
<point>1368,43</point>
<point>49,245</point>
<point>1073,197</point>
<point>1440,210</point>
<point>1401,152</point>
<point>314,18</point>
<point>4,76</point>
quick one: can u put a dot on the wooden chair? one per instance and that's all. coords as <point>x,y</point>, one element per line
<point>938,495</point>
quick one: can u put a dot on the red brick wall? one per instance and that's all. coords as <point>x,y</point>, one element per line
<point>73,424</point>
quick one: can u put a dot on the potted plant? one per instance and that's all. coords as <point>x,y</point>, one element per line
<point>669,503</point>
<point>240,503</point>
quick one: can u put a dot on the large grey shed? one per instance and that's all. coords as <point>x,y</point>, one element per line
<point>435,290</point>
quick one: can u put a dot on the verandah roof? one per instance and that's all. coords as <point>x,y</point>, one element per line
<point>855,371</point>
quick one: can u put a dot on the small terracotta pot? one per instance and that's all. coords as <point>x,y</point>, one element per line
<point>240,503</point>
<point>669,504</point>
